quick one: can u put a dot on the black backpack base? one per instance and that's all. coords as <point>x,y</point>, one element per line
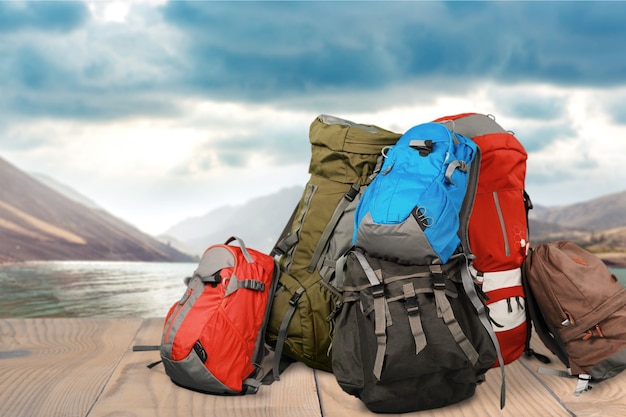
<point>454,350</point>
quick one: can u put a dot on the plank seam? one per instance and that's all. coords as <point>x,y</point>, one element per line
<point>318,392</point>
<point>113,368</point>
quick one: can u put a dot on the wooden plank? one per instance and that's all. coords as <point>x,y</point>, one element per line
<point>58,367</point>
<point>524,396</point>
<point>136,391</point>
<point>607,398</point>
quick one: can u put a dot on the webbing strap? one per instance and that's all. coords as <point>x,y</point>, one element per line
<point>252,284</point>
<point>456,164</point>
<point>584,380</point>
<point>413,312</point>
<point>379,330</point>
<point>470,290</point>
<point>285,244</point>
<point>444,310</point>
<point>348,197</point>
<point>282,332</point>
<point>380,314</point>
<point>242,245</point>
<point>555,372</point>
<point>583,384</point>
<point>339,271</point>
<point>251,385</point>
<point>369,272</point>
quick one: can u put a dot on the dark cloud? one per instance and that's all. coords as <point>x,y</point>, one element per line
<point>69,106</point>
<point>293,53</point>
<point>265,50</point>
<point>37,83</point>
<point>276,147</point>
<point>615,109</point>
<point>42,16</point>
<point>36,69</point>
<point>531,106</point>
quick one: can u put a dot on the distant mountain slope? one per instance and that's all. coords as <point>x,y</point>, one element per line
<point>541,231</point>
<point>39,223</point>
<point>258,222</point>
<point>597,224</point>
<point>601,213</point>
<point>63,189</point>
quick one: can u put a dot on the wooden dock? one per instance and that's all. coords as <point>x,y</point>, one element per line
<point>85,367</point>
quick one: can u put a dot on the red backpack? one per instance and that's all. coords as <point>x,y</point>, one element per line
<point>498,226</point>
<point>213,338</point>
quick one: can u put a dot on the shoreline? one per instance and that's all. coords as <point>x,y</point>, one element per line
<point>613,259</point>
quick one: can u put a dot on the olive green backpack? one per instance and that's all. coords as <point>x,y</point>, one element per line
<point>344,155</point>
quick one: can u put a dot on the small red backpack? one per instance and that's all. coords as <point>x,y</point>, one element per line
<point>498,226</point>
<point>213,338</point>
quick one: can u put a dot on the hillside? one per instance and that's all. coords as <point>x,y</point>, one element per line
<point>606,212</point>
<point>598,225</point>
<point>599,236</point>
<point>39,223</point>
<point>258,222</point>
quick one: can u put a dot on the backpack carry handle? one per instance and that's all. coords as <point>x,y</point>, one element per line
<point>242,245</point>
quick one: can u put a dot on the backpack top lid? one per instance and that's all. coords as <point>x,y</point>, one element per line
<point>341,150</point>
<point>419,192</point>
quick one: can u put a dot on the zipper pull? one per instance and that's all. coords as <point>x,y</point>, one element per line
<point>569,320</point>
<point>589,334</point>
<point>599,330</point>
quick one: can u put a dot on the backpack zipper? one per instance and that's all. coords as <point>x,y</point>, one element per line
<point>507,249</point>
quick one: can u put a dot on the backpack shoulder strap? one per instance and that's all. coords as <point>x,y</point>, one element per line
<point>468,205</point>
<point>380,313</point>
<point>470,290</point>
<point>534,317</point>
<point>348,197</point>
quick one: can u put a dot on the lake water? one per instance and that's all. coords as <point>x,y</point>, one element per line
<point>98,289</point>
<point>91,289</point>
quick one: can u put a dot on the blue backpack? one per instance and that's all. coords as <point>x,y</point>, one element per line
<point>418,195</point>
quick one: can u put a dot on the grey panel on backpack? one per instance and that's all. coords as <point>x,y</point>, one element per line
<point>610,367</point>
<point>194,290</point>
<point>340,241</point>
<point>474,125</point>
<point>214,260</point>
<point>191,373</point>
<point>406,241</point>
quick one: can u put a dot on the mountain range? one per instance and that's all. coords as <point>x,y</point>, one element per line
<point>41,219</point>
<point>597,225</point>
<point>258,222</point>
<point>39,222</point>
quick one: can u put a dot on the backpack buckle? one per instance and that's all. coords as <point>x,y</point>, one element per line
<point>293,301</point>
<point>439,281</point>
<point>212,279</point>
<point>378,291</point>
<point>352,192</point>
<point>424,147</point>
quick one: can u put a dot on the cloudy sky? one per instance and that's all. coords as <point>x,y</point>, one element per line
<point>159,111</point>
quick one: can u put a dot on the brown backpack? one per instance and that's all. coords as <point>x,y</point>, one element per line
<point>578,309</point>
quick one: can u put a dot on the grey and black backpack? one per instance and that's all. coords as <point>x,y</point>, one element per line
<point>413,332</point>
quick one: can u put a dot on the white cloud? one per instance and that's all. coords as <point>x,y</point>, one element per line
<point>159,114</point>
<point>154,172</point>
